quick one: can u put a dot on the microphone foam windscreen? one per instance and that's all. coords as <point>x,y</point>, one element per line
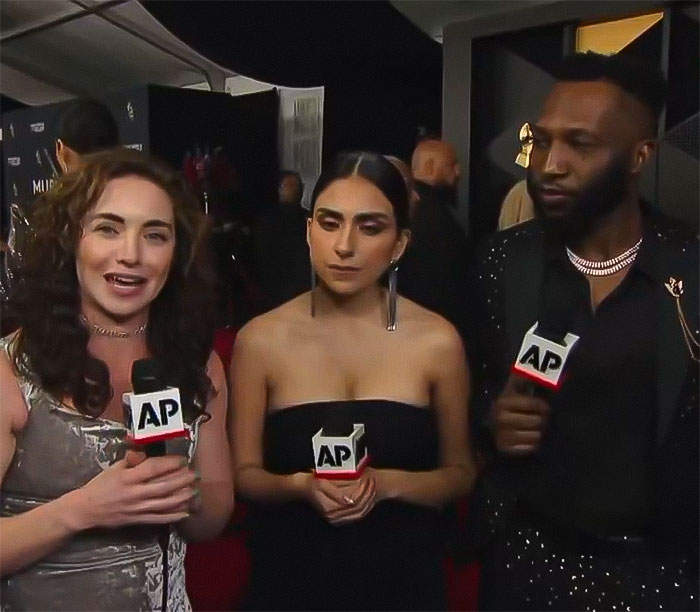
<point>147,376</point>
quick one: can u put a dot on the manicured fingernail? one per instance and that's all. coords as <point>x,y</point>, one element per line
<point>348,500</point>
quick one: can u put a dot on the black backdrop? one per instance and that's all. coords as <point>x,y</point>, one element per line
<point>382,75</point>
<point>163,121</point>
<point>29,162</point>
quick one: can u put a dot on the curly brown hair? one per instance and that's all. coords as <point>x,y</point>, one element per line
<point>46,302</point>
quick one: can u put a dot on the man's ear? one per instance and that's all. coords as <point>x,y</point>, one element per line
<point>68,158</point>
<point>309,221</point>
<point>644,152</point>
<point>61,155</point>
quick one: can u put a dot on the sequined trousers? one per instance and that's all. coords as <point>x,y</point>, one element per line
<point>532,567</point>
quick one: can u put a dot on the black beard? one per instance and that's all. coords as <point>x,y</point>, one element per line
<point>593,203</point>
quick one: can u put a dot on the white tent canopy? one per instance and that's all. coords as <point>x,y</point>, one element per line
<point>52,50</point>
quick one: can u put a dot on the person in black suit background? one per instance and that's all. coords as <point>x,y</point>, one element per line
<point>432,271</point>
<point>84,126</point>
<point>282,261</point>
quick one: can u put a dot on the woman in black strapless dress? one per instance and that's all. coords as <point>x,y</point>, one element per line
<point>348,352</point>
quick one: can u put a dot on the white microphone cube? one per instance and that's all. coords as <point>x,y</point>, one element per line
<point>340,457</point>
<point>542,360</point>
<point>151,417</point>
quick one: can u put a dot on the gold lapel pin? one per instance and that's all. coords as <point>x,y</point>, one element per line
<point>675,288</point>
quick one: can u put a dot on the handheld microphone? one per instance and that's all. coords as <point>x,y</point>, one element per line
<point>153,411</point>
<point>541,360</point>
<point>153,414</point>
<point>340,452</point>
<point>547,344</point>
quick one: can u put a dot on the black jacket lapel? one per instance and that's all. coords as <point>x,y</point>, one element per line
<point>673,356</point>
<point>523,278</point>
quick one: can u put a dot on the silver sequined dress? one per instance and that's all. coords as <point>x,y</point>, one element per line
<point>118,569</point>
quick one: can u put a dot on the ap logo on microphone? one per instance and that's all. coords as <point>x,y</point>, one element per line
<point>542,360</point>
<point>340,456</point>
<point>154,416</point>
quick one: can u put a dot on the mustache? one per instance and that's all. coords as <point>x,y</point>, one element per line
<point>540,186</point>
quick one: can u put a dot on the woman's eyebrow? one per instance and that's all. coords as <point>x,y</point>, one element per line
<point>329,212</point>
<point>107,216</point>
<point>371,216</point>
<point>158,223</point>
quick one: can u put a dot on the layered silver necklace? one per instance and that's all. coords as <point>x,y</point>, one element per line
<point>111,333</point>
<point>607,267</point>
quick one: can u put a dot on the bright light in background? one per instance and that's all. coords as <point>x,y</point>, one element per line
<point>612,36</point>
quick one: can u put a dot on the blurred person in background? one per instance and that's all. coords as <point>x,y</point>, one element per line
<point>432,272</point>
<point>281,253</point>
<point>84,126</point>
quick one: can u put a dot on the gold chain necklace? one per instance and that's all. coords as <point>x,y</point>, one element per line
<point>111,333</point>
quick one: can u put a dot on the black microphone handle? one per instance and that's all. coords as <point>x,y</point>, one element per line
<point>156,449</point>
<point>535,390</point>
<point>147,377</point>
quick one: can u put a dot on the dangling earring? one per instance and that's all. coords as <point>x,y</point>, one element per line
<point>391,309</point>
<point>313,285</point>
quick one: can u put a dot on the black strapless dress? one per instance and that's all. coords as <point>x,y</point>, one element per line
<point>389,560</point>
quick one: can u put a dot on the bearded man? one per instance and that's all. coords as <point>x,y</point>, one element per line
<point>589,495</point>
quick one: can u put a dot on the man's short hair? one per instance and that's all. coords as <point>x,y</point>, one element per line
<point>87,126</point>
<point>640,79</point>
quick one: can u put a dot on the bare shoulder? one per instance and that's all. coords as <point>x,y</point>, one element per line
<point>271,330</point>
<point>13,408</point>
<point>433,332</point>
<point>215,370</point>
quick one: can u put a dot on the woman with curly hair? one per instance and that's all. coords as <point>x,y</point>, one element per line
<point>116,271</point>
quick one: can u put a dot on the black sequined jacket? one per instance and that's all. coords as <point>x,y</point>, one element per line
<point>507,280</point>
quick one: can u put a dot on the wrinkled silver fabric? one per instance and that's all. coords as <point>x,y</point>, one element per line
<point>19,235</point>
<point>118,569</point>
